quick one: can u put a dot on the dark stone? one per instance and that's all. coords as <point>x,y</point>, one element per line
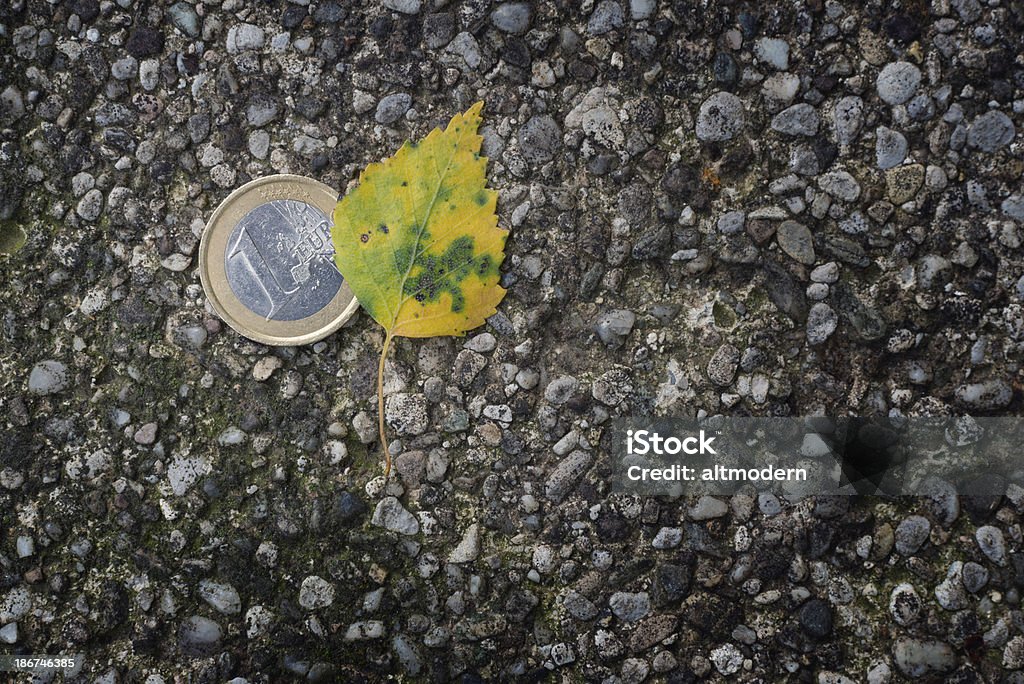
<point>612,527</point>
<point>684,186</point>
<point>819,539</point>
<point>516,53</point>
<point>111,607</point>
<point>310,106</point>
<point>87,10</point>
<point>772,562</point>
<point>847,251</point>
<point>866,320</point>
<point>652,243</point>
<point>198,127</point>
<point>983,504</point>
<point>292,16</point>
<point>671,583</point>
<point>635,204</point>
<point>145,41</point>
<point>348,507</point>
<point>902,28</point>
<point>712,615</point>
<point>785,292</point>
<point>816,618</point>
<point>760,230</point>
<point>826,151</point>
<point>328,13</point>
<point>438,30</point>
<point>724,68</point>
<point>136,313</point>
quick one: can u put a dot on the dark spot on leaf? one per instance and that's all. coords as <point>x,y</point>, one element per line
<point>483,265</point>
<point>383,228</point>
<point>442,273</point>
<point>405,184</point>
<point>480,198</point>
<point>365,237</point>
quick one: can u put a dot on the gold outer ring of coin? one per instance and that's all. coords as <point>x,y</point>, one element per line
<point>213,275</point>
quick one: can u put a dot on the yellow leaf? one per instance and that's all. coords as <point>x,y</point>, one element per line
<point>418,241</point>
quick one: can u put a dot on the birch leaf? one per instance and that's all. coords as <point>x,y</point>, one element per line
<point>418,241</point>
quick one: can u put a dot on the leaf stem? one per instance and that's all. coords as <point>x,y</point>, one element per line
<point>380,405</point>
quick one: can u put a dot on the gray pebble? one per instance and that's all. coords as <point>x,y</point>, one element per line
<point>667,538</point>
<point>840,184</point>
<point>149,74</point>
<point>795,239</point>
<point>407,413</point>
<point>942,500</point>
<point>261,110</point>
<point>897,82</point>
<point>468,548</point>
<point>911,534</point>
<point>613,327</point>
<point>221,597</point>
<point>199,636</point>
<point>629,607</point>
<point>124,68</point>
<point>641,9</point>
<point>707,508</point>
<point>986,395</point>
<point>974,576</point>
<point>245,37</point>
<point>821,323</point>
<point>482,343</point>
<point>438,29</point>
<point>565,475</point>
<point>315,593</point>
<point>723,364</point>
<point>890,148</point>
<point>91,205</point>
<point>579,606</point>
<point>950,593</point>
<point>48,377</point>
<point>992,544</point>
<point>847,119</point>
<point>773,51</point>
<point>404,6</point>
<point>184,18</point>
<point>1013,206</point>
<point>392,107</point>
<point>731,222</point>
<point>259,144</point>
<point>560,389</point>
<point>606,17</point>
<point>392,515</point>
<point>920,657</point>
<point>720,117</point>
<point>904,604</point>
<point>991,131</point>
<point>540,139</point>
<point>512,17</point>
<point>826,273</point>
<point>969,10</point>
<point>146,434</point>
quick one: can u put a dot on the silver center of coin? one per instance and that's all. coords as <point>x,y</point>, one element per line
<point>280,262</point>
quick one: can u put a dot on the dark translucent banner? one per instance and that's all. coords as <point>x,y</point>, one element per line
<point>806,456</point>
